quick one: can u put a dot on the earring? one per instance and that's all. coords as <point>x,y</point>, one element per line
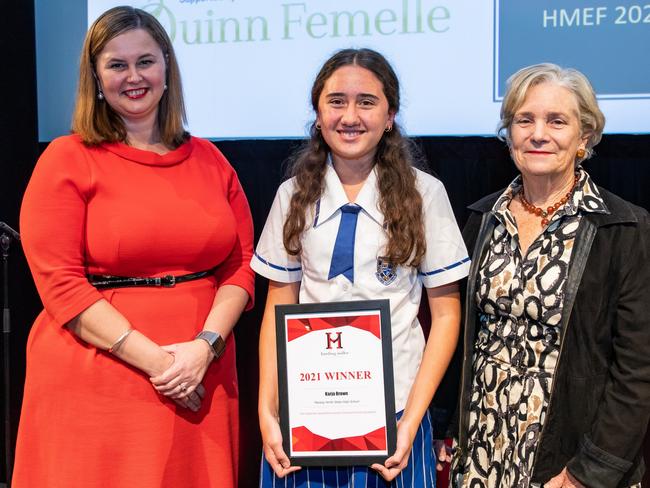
<point>317,125</point>
<point>580,153</point>
<point>388,129</point>
<point>100,95</point>
<point>165,87</point>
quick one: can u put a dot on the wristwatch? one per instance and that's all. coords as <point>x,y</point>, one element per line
<point>217,344</point>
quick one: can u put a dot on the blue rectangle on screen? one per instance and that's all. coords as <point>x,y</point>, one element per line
<point>607,40</point>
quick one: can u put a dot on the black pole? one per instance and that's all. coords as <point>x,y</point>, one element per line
<point>6,234</point>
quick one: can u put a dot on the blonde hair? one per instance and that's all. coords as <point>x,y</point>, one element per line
<point>592,120</point>
<point>94,120</point>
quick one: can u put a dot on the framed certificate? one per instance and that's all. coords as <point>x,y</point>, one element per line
<point>335,382</point>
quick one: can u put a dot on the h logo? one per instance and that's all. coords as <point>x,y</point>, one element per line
<point>332,341</point>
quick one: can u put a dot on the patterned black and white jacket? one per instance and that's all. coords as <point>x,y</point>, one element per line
<point>600,401</point>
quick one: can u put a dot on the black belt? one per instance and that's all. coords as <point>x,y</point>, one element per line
<point>105,281</point>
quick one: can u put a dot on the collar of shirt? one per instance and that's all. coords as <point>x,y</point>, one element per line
<point>334,197</point>
<point>585,198</point>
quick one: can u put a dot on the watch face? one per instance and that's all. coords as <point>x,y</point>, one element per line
<point>217,344</point>
<point>219,347</point>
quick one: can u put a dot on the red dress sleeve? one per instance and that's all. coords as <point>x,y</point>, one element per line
<point>52,225</point>
<point>236,270</point>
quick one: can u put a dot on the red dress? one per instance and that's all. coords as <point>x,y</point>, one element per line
<point>89,419</point>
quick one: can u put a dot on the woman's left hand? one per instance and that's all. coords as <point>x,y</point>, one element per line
<point>563,480</point>
<point>191,361</point>
<point>398,461</point>
<point>443,454</point>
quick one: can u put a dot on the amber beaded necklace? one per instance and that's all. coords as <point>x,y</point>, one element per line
<point>546,214</point>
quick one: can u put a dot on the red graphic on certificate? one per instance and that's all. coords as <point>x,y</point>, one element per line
<point>299,327</point>
<point>304,440</point>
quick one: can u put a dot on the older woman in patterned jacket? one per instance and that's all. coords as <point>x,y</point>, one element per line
<point>556,377</point>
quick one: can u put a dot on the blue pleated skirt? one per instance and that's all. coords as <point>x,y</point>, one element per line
<point>419,473</point>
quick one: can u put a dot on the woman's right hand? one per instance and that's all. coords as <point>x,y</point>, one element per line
<point>193,399</point>
<point>272,445</point>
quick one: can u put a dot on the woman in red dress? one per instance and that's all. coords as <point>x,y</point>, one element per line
<point>139,238</point>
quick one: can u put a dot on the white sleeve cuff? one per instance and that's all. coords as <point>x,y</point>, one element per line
<point>447,274</point>
<point>290,273</point>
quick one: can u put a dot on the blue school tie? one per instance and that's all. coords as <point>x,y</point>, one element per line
<point>343,255</point>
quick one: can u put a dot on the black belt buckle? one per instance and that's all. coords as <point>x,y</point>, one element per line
<point>168,281</point>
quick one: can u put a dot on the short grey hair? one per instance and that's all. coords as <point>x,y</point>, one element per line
<point>592,120</point>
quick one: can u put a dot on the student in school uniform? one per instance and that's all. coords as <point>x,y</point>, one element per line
<point>357,221</point>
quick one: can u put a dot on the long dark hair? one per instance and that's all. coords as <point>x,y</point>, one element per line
<point>399,200</point>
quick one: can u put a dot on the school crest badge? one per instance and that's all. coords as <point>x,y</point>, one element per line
<point>386,273</point>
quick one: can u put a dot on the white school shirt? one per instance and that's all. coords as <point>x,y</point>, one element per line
<point>445,261</point>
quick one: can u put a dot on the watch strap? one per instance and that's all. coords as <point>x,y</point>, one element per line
<point>214,340</point>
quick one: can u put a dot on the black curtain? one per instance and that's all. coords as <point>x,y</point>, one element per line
<point>18,151</point>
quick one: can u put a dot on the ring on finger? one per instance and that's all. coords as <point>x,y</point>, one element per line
<point>183,386</point>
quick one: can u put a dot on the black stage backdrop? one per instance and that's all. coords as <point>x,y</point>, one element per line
<point>470,167</point>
